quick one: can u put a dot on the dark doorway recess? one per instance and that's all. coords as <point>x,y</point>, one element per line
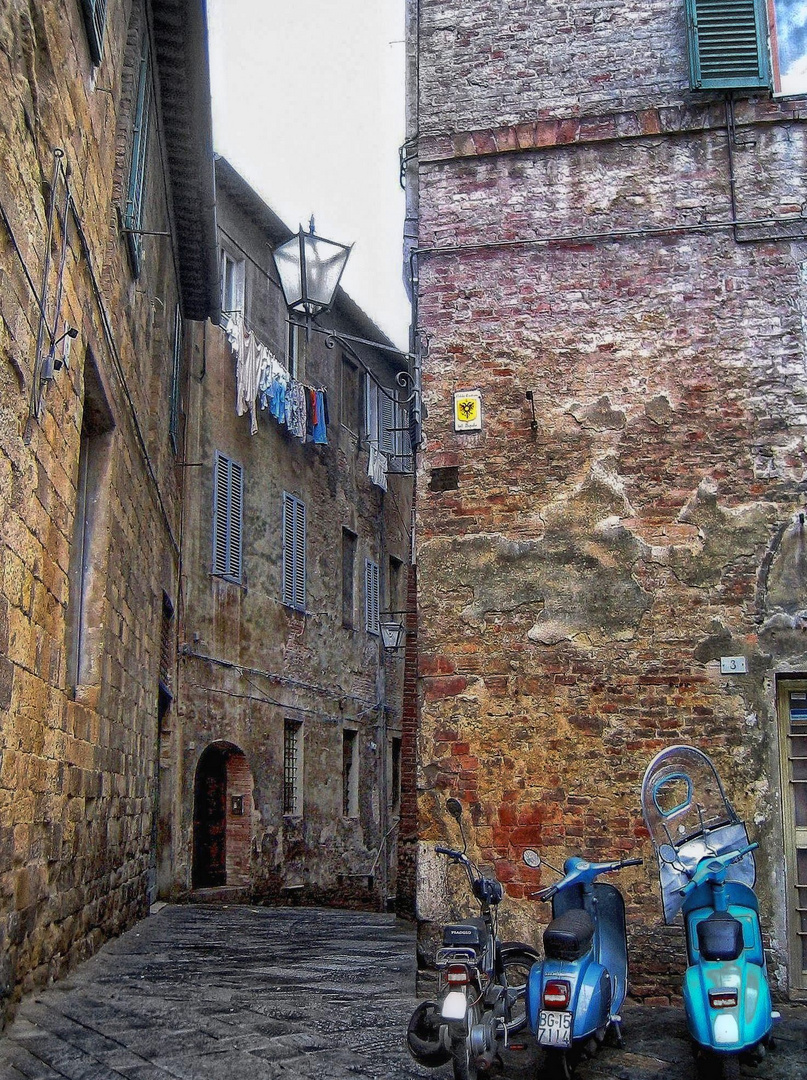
<point>222,818</point>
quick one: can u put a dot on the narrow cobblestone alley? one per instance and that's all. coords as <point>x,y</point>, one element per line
<point>204,992</point>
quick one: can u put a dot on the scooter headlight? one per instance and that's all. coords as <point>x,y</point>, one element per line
<point>454,1005</point>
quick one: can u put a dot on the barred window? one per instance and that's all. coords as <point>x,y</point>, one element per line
<point>292,768</point>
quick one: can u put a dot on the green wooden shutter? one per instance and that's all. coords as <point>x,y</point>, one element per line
<point>133,212</point>
<point>94,12</point>
<point>727,44</point>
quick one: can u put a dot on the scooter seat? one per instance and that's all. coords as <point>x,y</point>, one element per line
<point>720,937</point>
<point>569,936</point>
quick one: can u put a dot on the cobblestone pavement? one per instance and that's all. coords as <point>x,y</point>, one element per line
<point>247,993</point>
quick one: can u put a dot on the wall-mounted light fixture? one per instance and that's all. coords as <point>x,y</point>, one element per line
<point>310,269</point>
<point>392,629</point>
<point>51,363</point>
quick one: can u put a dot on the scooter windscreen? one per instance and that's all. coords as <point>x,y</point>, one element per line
<point>688,816</point>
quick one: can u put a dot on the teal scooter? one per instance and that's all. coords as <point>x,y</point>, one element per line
<point>707,873</point>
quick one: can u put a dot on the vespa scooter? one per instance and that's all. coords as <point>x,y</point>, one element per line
<point>480,1002</point>
<point>707,872</point>
<point>574,995</point>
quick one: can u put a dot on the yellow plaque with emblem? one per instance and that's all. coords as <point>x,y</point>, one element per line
<point>468,410</point>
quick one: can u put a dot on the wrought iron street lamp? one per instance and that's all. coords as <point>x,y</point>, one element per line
<point>310,269</point>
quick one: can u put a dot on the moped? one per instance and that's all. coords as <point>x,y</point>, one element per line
<point>707,873</point>
<point>575,993</point>
<point>480,1002</point>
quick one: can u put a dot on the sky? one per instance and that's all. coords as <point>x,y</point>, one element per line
<point>308,105</point>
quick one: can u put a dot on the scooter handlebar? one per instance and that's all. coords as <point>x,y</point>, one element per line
<point>448,851</point>
<point>631,862</point>
<point>727,859</point>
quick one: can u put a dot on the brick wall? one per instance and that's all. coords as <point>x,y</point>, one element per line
<point>580,583</point>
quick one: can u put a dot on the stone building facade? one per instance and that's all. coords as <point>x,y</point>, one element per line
<point>107,250</point>
<point>611,252</point>
<point>282,754</point>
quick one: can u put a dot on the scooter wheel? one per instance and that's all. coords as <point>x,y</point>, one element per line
<point>423,1036</point>
<point>557,1065</point>
<point>517,960</point>
<point>463,1061</point>
<point>718,1066</point>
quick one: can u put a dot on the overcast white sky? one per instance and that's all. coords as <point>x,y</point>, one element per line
<point>308,105</point>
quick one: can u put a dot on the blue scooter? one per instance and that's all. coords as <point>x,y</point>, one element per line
<point>575,993</point>
<point>707,872</point>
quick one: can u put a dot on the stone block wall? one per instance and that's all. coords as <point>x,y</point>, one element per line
<point>78,737</point>
<point>631,256</point>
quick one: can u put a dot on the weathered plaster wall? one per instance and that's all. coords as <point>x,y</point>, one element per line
<point>579,585</point>
<point>279,664</point>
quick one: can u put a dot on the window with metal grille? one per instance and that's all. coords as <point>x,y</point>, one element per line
<point>387,424</point>
<point>350,774</point>
<point>371,597</point>
<point>228,509</point>
<point>293,552</point>
<point>727,44</point>
<point>133,211</point>
<point>292,768</point>
<point>94,12</point>
<point>176,368</point>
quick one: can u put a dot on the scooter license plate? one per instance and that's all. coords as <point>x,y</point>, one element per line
<point>554,1028</point>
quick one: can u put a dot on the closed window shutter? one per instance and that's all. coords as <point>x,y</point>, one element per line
<point>299,557</point>
<point>288,550</point>
<point>388,419</point>
<point>371,597</point>
<point>371,409</point>
<point>133,213</point>
<point>94,18</point>
<point>173,423</point>
<point>727,44</point>
<point>294,541</point>
<point>220,501</point>
<point>236,518</point>
<point>228,516</point>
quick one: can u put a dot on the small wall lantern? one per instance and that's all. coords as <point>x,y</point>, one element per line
<point>392,630</point>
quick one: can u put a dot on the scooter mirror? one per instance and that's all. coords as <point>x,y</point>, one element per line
<point>532,858</point>
<point>667,853</point>
<point>454,807</point>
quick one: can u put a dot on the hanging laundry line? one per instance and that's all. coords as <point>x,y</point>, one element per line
<point>262,380</point>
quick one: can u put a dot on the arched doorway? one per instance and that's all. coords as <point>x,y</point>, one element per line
<point>222,817</point>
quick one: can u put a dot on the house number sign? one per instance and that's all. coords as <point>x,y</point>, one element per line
<point>733,665</point>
